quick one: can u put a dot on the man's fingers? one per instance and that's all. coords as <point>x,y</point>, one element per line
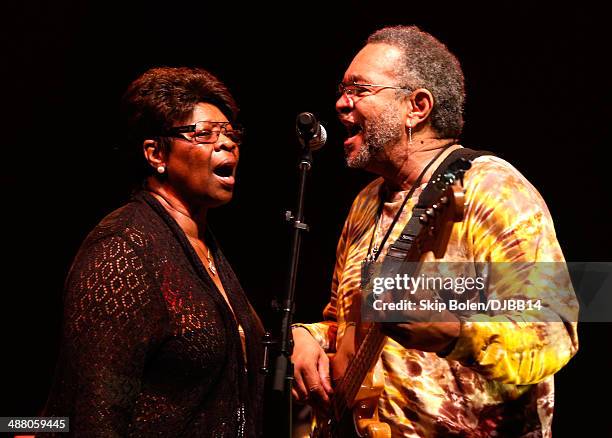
<point>323,366</point>
<point>313,383</point>
<point>311,368</point>
<point>298,386</point>
<point>295,394</point>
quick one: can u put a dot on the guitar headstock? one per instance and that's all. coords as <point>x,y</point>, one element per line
<point>445,207</point>
<point>438,221</point>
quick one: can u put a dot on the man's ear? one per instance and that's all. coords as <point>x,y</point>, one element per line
<point>421,103</point>
<point>154,154</point>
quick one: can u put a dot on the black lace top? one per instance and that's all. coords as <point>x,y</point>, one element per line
<point>149,345</point>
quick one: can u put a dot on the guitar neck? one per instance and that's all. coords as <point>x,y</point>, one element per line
<point>367,354</point>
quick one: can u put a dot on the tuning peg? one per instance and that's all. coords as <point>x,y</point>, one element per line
<point>444,200</point>
<point>430,212</point>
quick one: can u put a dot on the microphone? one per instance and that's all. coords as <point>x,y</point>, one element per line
<point>310,132</point>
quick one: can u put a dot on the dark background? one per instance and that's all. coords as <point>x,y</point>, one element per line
<point>538,88</point>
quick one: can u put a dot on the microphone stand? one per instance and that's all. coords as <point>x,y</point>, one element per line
<point>283,367</point>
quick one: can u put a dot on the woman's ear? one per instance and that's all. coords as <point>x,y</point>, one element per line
<point>155,155</point>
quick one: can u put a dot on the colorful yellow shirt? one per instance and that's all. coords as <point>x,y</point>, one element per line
<point>498,380</point>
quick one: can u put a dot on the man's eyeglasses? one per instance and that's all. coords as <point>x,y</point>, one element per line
<point>355,89</point>
<point>207,132</point>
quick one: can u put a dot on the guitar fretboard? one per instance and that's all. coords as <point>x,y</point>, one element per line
<point>347,389</point>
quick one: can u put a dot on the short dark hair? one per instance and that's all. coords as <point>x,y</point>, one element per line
<point>427,63</point>
<point>163,96</point>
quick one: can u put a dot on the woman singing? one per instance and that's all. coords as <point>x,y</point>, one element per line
<point>158,336</point>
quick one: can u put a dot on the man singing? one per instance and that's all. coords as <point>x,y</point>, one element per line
<point>401,101</point>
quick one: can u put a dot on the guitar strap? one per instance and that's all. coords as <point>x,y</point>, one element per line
<point>457,160</point>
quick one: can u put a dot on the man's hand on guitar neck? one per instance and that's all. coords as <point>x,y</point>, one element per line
<point>311,369</point>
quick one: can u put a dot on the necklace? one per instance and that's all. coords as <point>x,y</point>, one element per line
<point>196,243</point>
<point>373,253</point>
<point>199,247</point>
<point>211,265</point>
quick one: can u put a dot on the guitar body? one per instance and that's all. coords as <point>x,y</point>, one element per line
<point>365,408</point>
<point>361,417</point>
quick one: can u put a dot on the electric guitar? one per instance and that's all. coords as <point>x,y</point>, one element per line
<point>360,381</point>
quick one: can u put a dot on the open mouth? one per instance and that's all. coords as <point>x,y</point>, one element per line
<point>225,172</point>
<point>352,129</point>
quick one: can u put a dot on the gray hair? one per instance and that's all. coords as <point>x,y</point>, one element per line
<point>427,63</point>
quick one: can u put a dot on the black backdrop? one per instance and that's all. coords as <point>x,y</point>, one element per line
<point>538,94</point>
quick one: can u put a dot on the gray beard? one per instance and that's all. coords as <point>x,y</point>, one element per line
<point>377,133</point>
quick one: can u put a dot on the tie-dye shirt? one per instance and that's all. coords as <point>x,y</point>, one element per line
<point>498,379</point>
